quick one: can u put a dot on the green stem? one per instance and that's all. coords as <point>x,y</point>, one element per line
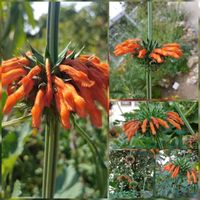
<point>150,34</point>
<point>50,156</point>
<point>52,134</point>
<point>154,179</point>
<point>150,19</point>
<point>183,118</point>
<point>148,83</point>
<point>52,30</point>
<point>100,167</point>
<point>159,144</point>
<point>15,121</point>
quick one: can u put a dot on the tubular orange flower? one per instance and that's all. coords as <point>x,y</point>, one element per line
<point>132,132</point>
<point>33,72</point>
<point>77,76</point>
<point>18,95</point>
<point>14,64</point>
<point>74,85</point>
<point>172,45</point>
<point>156,57</point>
<point>172,50</point>
<point>130,128</point>
<point>175,117</point>
<point>176,171</point>
<point>144,125</point>
<point>63,110</point>
<point>176,125</point>
<point>128,46</point>
<point>194,176</point>
<point>162,123</point>
<point>160,51</point>
<point>12,75</point>
<point>188,177</point>
<point>142,53</point>
<point>155,121</point>
<point>128,124</point>
<point>91,58</point>
<point>38,107</point>
<point>148,49</point>
<point>167,167</point>
<point>153,131</point>
<point>172,168</point>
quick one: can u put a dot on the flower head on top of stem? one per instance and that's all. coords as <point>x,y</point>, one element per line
<point>151,119</point>
<point>149,50</point>
<point>181,166</point>
<point>73,85</point>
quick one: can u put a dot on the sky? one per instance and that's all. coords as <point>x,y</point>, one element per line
<point>41,8</point>
<point>118,109</point>
<point>115,8</point>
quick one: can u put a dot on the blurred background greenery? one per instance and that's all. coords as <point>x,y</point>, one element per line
<point>170,24</point>
<point>22,153</point>
<point>84,25</point>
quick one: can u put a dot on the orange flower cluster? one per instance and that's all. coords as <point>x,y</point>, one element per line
<point>174,119</point>
<point>131,127</point>
<point>75,86</point>
<point>174,171</point>
<point>191,174</point>
<point>129,46</point>
<point>171,49</point>
<point>134,47</point>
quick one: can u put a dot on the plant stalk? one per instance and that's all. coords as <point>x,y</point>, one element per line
<point>52,30</point>
<point>154,178</point>
<point>52,134</point>
<point>148,83</point>
<point>150,30</point>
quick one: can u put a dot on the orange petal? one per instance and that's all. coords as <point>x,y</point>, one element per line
<point>37,109</point>
<point>12,75</point>
<point>77,76</point>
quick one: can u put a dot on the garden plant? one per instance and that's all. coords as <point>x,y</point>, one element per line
<point>162,24</point>
<point>153,174</point>
<point>157,125</point>
<point>53,87</point>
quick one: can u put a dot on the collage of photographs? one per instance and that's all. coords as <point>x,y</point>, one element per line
<point>100,99</point>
